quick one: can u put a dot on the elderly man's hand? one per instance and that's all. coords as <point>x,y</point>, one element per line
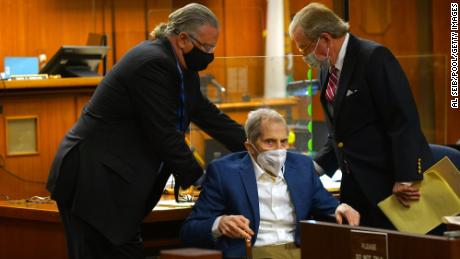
<point>405,193</point>
<point>235,226</point>
<point>346,211</point>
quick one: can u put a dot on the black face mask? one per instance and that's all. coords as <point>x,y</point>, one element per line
<point>197,59</point>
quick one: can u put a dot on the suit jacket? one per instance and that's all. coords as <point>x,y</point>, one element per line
<point>374,132</point>
<point>230,188</point>
<point>126,131</point>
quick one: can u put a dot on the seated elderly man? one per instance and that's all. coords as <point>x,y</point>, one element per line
<point>260,196</point>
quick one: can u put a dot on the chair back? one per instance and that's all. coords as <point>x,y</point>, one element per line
<point>440,152</point>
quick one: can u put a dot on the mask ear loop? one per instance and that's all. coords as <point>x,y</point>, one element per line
<point>254,147</point>
<point>327,53</point>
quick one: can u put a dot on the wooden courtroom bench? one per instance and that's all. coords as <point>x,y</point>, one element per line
<point>34,230</point>
<point>321,240</point>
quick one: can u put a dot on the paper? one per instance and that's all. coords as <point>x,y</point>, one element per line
<point>332,184</point>
<point>454,220</point>
<point>440,196</point>
<point>175,204</point>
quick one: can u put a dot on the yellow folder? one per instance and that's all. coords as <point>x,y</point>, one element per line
<point>440,196</point>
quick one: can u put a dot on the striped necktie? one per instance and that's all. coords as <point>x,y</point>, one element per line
<point>332,85</point>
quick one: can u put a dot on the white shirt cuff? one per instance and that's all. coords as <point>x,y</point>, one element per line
<point>215,228</point>
<point>406,183</point>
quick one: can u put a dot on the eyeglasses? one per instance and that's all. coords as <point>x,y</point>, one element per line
<point>304,49</point>
<point>205,47</point>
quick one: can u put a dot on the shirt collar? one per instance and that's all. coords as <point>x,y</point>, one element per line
<point>342,52</point>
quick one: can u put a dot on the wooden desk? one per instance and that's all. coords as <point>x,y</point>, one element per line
<point>29,230</point>
<point>56,105</point>
<point>89,82</point>
<point>322,240</point>
<point>239,110</point>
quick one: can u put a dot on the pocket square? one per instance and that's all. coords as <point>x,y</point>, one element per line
<point>350,92</point>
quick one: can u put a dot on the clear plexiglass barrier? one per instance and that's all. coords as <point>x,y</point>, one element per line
<point>238,85</point>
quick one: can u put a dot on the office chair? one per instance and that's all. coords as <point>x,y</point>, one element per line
<point>440,152</point>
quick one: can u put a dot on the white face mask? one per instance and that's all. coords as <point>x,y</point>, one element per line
<point>312,60</point>
<point>272,160</point>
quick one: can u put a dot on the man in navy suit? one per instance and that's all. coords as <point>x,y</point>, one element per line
<point>260,196</point>
<point>374,130</point>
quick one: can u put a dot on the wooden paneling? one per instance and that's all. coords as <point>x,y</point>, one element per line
<point>441,46</point>
<point>385,21</point>
<point>30,27</point>
<point>129,25</point>
<point>56,109</point>
<point>55,116</point>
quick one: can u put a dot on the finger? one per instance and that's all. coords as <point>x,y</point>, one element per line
<point>231,229</point>
<point>410,192</point>
<point>338,218</point>
<point>227,232</point>
<point>409,196</point>
<point>243,234</point>
<point>248,230</point>
<point>243,220</point>
<point>403,202</point>
<point>353,218</point>
<point>237,231</point>
<point>405,188</point>
<point>244,224</point>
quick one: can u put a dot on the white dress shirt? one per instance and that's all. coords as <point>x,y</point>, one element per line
<point>339,65</point>
<point>277,214</point>
<point>341,57</point>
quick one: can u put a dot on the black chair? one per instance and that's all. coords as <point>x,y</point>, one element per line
<point>440,152</point>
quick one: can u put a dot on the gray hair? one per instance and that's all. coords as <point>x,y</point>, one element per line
<point>315,19</point>
<point>254,121</point>
<point>186,19</point>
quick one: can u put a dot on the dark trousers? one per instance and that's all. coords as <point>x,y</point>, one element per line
<point>85,242</point>
<point>371,215</point>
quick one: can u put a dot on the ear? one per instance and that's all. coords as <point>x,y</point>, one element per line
<point>250,148</point>
<point>182,39</point>
<point>247,145</point>
<point>326,36</point>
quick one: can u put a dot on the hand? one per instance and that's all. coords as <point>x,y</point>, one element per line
<point>235,226</point>
<point>345,210</point>
<point>405,193</point>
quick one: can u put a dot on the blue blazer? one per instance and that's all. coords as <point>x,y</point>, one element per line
<point>230,188</point>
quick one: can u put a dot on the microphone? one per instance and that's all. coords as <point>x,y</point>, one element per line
<point>300,87</point>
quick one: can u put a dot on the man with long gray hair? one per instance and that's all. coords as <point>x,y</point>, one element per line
<point>112,166</point>
<point>374,130</point>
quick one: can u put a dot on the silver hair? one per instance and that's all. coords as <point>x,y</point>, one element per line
<point>186,19</point>
<point>315,19</point>
<point>254,122</point>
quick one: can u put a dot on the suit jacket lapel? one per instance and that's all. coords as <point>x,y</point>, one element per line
<point>295,187</point>
<point>250,185</point>
<point>345,75</point>
<point>325,78</point>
